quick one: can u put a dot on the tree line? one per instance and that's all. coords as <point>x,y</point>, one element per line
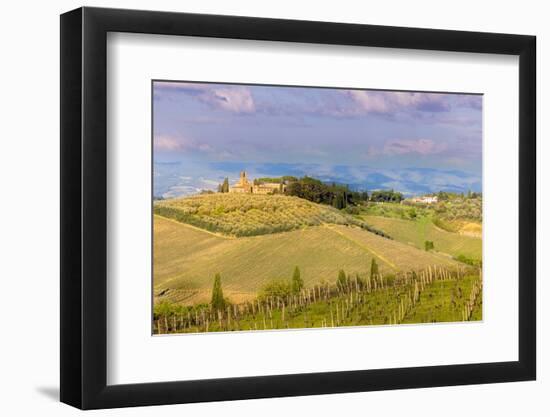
<point>336,195</point>
<point>447,195</point>
<point>339,196</point>
<point>386,196</point>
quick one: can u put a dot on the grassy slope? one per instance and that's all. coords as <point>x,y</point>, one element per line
<point>416,232</point>
<point>186,258</point>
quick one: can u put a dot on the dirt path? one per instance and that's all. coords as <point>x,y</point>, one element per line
<point>362,246</point>
<point>194,227</point>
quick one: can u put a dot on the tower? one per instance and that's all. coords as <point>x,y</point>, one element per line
<point>243,181</point>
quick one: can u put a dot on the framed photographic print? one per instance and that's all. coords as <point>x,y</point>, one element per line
<point>258,207</point>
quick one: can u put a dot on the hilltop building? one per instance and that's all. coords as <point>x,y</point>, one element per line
<point>425,199</point>
<point>255,187</point>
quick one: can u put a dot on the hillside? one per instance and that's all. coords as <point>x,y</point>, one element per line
<point>416,232</point>
<point>461,209</point>
<point>454,213</point>
<point>186,258</point>
<point>449,298</point>
<point>250,214</point>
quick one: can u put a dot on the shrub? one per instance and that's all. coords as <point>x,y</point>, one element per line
<point>276,288</point>
<point>163,309</point>
<point>354,210</point>
<point>469,261</point>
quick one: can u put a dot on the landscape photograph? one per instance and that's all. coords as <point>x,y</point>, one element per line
<point>286,207</point>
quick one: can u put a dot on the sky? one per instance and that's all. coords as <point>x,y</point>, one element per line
<point>413,142</point>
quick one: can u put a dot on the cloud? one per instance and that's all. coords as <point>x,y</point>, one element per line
<point>472,101</point>
<point>232,98</point>
<point>352,103</point>
<point>370,102</point>
<point>386,102</point>
<point>167,143</point>
<point>412,146</point>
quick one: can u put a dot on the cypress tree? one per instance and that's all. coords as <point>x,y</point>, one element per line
<point>373,268</point>
<point>225,186</point>
<point>218,302</point>
<point>297,281</point>
<point>342,280</point>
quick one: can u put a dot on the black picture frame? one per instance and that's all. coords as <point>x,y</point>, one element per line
<point>84,207</point>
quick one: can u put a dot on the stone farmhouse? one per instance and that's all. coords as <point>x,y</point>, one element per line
<point>426,199</point>
<point>255,187</point>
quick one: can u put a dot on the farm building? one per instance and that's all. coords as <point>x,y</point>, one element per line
<point>253,187</point>
<point>425,199</point>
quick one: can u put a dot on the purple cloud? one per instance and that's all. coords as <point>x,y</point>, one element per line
<point>210,122</point>
<point>233,98</point>
<point>169,143</point>
<point>166,143</point>
<point>384,102</point>
<point>470,101</point>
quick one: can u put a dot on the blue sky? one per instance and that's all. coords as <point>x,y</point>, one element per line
<point>412,142</point>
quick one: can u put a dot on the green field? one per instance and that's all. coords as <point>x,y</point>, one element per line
<point>396,211</point>
<point>416,232</point>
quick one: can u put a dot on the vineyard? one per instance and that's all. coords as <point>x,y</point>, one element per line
<point>241,215</point>
<point>186,259</point>
<point>432,295</point>
<point>401,263</point>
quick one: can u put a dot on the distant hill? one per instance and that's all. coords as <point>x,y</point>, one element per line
<point>169,182</point>
<point>241,215</point>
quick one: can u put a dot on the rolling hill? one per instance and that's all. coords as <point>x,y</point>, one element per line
<point>251,214</point>
<point>416,232</point>
<point>186,258</point>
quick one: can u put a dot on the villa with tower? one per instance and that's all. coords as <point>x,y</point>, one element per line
<point>243,185</point>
